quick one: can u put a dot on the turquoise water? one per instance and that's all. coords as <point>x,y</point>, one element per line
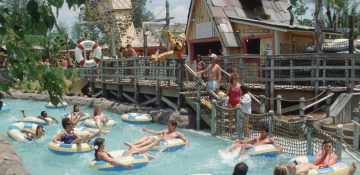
<point>201,157</point>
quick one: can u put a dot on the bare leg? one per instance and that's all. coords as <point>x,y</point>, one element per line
<point>149,141</point>
<point>146,148</point>
<point>98,122</point>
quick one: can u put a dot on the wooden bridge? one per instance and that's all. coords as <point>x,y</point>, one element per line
<point>269,78</point>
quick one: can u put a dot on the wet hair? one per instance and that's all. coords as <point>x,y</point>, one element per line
<point>327,140</point>
<point>244,89</point>
<point>233,76</point>
<point>280,170</point>
<point>97,143</point>
<point>66,122</point>
<point>173,123</point>
<point>43,113</point>
<point>266,129</point>
<point>38,128</point>
<point>97,108</point>
<point>128,45</point>
<point>240,169</point>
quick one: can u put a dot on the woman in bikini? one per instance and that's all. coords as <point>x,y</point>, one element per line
<point>101,154</point>
<point>99,117</point>
<point>39,132</point>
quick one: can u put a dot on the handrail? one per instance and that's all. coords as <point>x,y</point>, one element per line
<point>356,123</point>
<point>253,97</point>
<point>319,101</point>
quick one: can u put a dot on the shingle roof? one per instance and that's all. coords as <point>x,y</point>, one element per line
<point>265,12</point>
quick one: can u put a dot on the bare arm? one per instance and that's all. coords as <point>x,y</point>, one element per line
<point>227,91</point>
<point>182,137</point>
<point>152,131</point>
<point>58,136</point>
<point>319,157</point>
<point>112,161</point>
<point>276,145</point>
<point>205,70</point>
<point>23,113</point>
<point>218,77</point>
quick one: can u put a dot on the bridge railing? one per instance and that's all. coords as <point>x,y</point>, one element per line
<point>140,70</point>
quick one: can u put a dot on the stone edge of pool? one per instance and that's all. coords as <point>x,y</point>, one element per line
<point>161,116</point>
<point>10,162</point>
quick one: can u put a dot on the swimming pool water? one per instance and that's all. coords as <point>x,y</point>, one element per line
<point>201,157</point>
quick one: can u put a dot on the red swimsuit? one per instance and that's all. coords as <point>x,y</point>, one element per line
<point>234,95</point>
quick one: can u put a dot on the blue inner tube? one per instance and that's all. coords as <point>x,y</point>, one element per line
<point>5,107</point>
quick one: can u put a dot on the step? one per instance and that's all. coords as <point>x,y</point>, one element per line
<point>348,129</point>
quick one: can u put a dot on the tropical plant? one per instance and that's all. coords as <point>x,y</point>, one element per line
<point>21,31</point>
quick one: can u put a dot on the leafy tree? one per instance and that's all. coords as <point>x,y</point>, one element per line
<point>299,11</point>
<point>140,13</point>
<point>19,29</point>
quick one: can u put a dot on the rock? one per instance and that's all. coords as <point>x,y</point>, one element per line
<point>10,163</point>
<point>184,111</point>
<point>182,120</point>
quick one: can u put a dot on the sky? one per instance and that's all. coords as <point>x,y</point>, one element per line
<point>178,9</point>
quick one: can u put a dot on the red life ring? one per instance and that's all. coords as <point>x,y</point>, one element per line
<point>83,47</point>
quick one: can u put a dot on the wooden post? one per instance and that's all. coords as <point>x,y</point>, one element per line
<point>328,101</point>
<point>93,90</point>
<point>271,113</point>
<point>198,113</point>
<point>356,135</point>
<point>278,105</point>
<point>339,136</point>
<point>272,83</point>
<point>301,106</point>
<point>317,75</point>
<point>136,86</point>
<point>181,82</point>
<point>352,72</point>
<point>351,34</point>
<point>120,91</point>
<point>292,72</point>
<point>213,118</point>
<point>239,116</point>
<point>309,129</point>
<point>158,86</point>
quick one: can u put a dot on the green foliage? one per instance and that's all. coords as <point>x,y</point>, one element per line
<point>140,14</point>
<point>299,11</point>
<point>71,74</point>
<point>23,29</point>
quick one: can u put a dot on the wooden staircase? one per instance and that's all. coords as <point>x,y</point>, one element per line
<point>348,131</point>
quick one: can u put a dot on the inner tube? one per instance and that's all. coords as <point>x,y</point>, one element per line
<point>82,118</point>
<point>267,150</point>
<point>5,107</point>
<point>136,161</point>
<point>68,149</point>
<point>339,168</point>
<point>91,123</point>
<point>58,106</point>
<point>16,131</point>
<point>37,120</point>
<point>136,118</point>
<point>169,145</point>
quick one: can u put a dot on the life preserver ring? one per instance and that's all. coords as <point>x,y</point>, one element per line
<point>37,120</point>
<point>16,131</point>
<point>58,106</point>
<point>136,161</point>
<point>267,150</point>
<point>67,149</point>
<point>339,168</point>
<point>4,107</point>
<point>169,145</point>
<point>136,118</point>
<point>88,45</point>
<point>82,118</point>
<point>91,123</point>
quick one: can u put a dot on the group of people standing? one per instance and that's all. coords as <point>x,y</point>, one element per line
<point>236,94</point>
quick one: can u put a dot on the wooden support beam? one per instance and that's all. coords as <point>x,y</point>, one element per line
<point>120,92</point>
<point>92,86</point>
<point>147,96</point>
<point>128,97</point>
<point>98,94</point>
<point>114,93</point>
<point>104,91</point>
<point>152,100</point>
<point>170,103</point>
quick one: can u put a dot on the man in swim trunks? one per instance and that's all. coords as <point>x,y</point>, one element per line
<point>163,135</point>
<point>323,159</point>
<point>214,73</point>
<point>67,136</point>
<point>262,139</point>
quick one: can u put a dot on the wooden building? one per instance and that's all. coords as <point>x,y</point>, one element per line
<point>231,27</point>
